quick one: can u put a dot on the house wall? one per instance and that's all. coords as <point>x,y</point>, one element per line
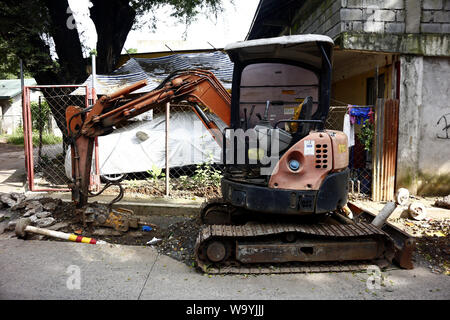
<point>11,116</point>
<point>354,90</point>
<point>373,16</point>
<point>424,132</point>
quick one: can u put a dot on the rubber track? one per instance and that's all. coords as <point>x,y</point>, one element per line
<point>359,230</point>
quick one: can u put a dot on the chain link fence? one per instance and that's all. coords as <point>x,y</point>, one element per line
<point>360,164</point>
<point>135,153</point>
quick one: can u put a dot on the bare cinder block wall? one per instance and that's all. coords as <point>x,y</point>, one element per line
<point>333,17</point>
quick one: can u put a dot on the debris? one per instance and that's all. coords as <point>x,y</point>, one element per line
<point>18,197</point>
<point>23,227</point>
<point>42,215</point>
<point>154,241</point>
<point>104,232</point>
<point>59,226</point>
<point>417,211</point>
<point>46,222</point>
<point>50,206</point>
<point>12,225</point>
<point>34,205</point>
<point>29,214</point>
<point>349,214</point>
<point>147,228</point>
<point>33,219</point>
<point>443,203</point>
<point>384,214</point>
<point>3,227</point>
<point>7,200</point>
<point>402,197</point>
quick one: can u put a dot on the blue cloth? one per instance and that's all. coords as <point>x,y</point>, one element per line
<point>361,114</point>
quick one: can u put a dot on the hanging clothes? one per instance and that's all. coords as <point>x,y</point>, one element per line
<point>360,115</point>
<point>349,130</point>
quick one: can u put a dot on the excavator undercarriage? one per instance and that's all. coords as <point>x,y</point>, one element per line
<point>236,241</point>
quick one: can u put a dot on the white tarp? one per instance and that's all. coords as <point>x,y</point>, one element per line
<point>123,151</point>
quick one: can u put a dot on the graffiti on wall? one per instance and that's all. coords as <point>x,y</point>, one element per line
<point>444,126</point>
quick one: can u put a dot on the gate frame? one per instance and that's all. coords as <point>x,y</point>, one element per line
<point>28,136</point>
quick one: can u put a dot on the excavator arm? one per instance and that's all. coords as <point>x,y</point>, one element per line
<point>198,87</point>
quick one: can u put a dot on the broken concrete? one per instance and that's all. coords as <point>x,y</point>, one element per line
<point>7,200</point>
<point>42,215</point>
<point>45,222</point>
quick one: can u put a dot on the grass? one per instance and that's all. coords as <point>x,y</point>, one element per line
<point>17,138</point>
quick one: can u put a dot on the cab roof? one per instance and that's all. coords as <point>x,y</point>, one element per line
<point>298,48</point>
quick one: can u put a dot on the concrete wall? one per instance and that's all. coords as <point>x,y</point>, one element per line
<point>424,131</point>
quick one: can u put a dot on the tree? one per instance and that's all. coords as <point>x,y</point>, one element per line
<point>9,63</point>
<point>30,26</point>
<point>33,29</point>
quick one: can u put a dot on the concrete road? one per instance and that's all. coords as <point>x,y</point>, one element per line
<point>12,168</point>
<point>60,270</point>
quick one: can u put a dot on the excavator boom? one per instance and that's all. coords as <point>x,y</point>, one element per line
<point>198,87</point>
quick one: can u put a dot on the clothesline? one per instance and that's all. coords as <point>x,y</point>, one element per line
<point>349,105</point>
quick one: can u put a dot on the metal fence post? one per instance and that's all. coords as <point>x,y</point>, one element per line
<point>167,149</point>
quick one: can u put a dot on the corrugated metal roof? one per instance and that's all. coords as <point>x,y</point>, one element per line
<point>11,88</point>
<point>155,70</point>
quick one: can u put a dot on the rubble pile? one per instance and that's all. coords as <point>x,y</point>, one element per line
<point>178,241</point>
<point>43,213</point>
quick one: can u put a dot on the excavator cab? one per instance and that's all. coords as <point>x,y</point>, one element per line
<point>284,162</point>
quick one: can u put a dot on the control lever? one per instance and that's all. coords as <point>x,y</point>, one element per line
<point>266,113</point>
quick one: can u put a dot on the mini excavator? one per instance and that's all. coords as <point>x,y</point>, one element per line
<point>285,186</point>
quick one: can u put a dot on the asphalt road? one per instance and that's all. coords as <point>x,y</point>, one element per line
<point>66,271</point>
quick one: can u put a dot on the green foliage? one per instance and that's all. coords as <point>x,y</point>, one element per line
<point>185,10</point>
<point>155,173</point>
<point>30,29</point>
<point>40,115</point>
<point>366,135</point>
<point>132,51</point>
<point>9,63</point>
<point>206,174</point>
<point>17,138</point>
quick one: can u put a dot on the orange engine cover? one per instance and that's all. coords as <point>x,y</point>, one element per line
<point>319,154</point>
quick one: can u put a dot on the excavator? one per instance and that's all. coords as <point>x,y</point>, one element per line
<point>285,185</point>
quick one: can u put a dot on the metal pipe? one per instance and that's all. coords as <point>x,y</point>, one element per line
<point>384,214</point>
<point>94,72</point>
<point>167,149</point>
